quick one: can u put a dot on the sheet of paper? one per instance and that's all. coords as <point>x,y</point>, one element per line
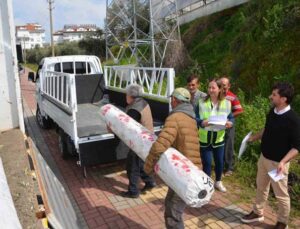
<point>217,120</point>
<point>244,144</point>
<point>274,176</point>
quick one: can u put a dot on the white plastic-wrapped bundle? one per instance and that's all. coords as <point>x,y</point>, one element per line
<point>190,183</point>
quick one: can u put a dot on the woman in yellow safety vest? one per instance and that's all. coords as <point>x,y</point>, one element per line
<point>213,115</point>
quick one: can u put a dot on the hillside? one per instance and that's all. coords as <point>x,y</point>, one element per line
<point>256,44</point>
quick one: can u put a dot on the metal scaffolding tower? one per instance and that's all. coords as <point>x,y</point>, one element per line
<point>140,31</point>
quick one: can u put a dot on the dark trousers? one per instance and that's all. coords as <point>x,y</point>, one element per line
<point>174,207</point>
<point>135,170</point>
<point>206,157</point>
<point>229,149</point>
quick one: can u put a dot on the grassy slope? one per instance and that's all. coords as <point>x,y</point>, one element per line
<point>256,44</point>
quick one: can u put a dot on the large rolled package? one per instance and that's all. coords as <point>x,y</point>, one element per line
<point>193,186</point>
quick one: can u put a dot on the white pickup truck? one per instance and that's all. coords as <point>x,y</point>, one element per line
<point>70,91</point>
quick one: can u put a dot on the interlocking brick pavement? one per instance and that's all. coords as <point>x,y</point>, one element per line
<point>101,206</point>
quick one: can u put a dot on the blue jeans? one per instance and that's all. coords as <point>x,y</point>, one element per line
<point>206,157</point>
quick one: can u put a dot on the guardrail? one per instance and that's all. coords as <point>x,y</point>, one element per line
<point>156,82</point>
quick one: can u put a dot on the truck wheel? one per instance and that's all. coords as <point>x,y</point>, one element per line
<point>63,148</point>
<point>71,146</point>
<point>41,120</point>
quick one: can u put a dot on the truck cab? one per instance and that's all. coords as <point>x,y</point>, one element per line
<point>76,64</point>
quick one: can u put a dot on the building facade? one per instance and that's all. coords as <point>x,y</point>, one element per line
<point>73,32</point>
<point>30,35</point>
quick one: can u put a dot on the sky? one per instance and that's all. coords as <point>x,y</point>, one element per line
<point>64,12</point>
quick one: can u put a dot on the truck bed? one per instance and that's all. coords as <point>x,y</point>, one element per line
<point>89,122</point>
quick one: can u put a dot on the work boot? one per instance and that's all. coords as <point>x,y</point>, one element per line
<point>252,217</point>
<point>148,187</point>
<point>280,225</point>
<point>129,194</point>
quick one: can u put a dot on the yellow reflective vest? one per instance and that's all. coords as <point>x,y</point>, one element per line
<point>208,137</point>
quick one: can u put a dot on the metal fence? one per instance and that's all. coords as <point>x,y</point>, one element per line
<point>58,206</point>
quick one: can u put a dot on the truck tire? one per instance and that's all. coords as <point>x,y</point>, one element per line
<point>62,143</point>
<point>41,120</point>
<point>71,147</point>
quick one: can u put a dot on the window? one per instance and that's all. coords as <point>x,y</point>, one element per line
<point>80,67</point>
<point>68,67</point>
<point>57,67</point>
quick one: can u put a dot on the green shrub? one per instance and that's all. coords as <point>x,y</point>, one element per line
<point>253,119</point>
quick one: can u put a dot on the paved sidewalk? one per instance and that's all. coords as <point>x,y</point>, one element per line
<point>102,207</point>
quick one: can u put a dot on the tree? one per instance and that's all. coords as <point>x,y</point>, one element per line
<point>93,44</point>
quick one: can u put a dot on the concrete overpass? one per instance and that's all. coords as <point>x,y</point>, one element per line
<point>189,10</point>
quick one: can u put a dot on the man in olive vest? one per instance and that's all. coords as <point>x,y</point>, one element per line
<point>139,110</point>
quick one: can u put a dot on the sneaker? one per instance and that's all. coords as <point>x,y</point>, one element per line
<point>148,187</point>
<point>129,194</point>
<point>252,217</point>
<point>280,225</point>
<point>219,186</point>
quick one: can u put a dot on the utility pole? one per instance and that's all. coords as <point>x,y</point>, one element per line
<point>152,34</point>
<point>24,48</point>
<point>51,25</point>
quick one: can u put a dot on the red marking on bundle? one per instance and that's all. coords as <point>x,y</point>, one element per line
<point>156,168</point>
<point>123,118</point>
<point>131,144</point>
<point>182,161</point>
<point>106,109</point>
<point>146,134</point>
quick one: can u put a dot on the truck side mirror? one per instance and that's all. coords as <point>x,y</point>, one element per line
<point>31,77</point>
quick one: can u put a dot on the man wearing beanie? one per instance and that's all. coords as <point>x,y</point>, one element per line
<point>139,110</point>
<point>180,132</point>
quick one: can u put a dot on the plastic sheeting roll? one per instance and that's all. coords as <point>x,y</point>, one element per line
<point>193,186</point>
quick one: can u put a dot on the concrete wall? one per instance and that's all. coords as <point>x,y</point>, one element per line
<point>11,113</point>
<point>208,9</point>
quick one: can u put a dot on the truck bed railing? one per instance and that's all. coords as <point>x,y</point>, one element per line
<point>59,87</point>
<point>157,82</point>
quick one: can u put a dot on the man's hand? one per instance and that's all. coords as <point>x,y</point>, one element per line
<point>287,158</point>
<point>205,123</point>
<point>109,129</point>
<point>255,137</point>
<point>147,169</point>
<point>251,139</point>
<point>228,124</point>
<point>280,168</point>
